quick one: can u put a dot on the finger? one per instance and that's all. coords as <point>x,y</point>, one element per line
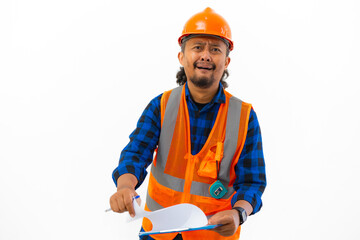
<point>219,220</point>
<point>128,201</point>
<point>225,230</point>
<point>113,204</point>
<point>225,227</point>
<point>213,220</point>
<point>220,228</point>
<point>121,204</point>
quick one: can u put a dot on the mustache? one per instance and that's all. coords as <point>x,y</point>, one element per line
<point>213,66</point>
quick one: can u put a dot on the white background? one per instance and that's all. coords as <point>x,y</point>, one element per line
<point>76,75</point>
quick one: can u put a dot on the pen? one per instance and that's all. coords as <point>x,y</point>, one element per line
<point>136,197</point>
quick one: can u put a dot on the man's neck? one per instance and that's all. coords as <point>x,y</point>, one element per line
<point>201,95</point>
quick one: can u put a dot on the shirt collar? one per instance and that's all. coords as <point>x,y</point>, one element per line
<point>218,98</point>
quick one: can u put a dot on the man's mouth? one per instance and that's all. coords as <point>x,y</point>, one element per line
<point>204,66</point>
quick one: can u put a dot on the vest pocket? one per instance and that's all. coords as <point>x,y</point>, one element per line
<point>208,166</point>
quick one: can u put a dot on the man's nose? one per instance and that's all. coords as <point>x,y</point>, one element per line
<point>205,56</point>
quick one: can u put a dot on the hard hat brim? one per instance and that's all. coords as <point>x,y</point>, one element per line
<point>186,37</point>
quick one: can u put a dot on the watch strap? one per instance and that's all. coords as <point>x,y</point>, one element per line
<point>242,214</point>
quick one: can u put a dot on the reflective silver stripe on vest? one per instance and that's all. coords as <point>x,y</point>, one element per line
<point>152,204</point>
<point>166,134</point>
<point>167,129</point>
<point>231,138</point>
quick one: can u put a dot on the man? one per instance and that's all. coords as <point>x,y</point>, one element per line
<point>207,142</point>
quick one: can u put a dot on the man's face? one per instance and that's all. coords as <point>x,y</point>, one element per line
<point>204,60</point>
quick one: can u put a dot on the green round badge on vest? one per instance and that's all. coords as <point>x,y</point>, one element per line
<point>217,190</point>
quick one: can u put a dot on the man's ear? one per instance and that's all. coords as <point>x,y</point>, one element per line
<point>181,57</point>
<point>227,62</point>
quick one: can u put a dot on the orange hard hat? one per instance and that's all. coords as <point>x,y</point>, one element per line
<point>207,22</point>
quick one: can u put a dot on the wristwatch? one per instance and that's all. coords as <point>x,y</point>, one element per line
<point>242,214</point>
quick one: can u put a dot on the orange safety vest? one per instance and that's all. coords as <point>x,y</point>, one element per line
<point>177,176</point>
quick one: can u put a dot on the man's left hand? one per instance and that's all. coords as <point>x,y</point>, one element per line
<point>230,222</point>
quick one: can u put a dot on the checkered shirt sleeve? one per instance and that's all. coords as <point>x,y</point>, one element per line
<point>250,169</point>
<point>138,154</point>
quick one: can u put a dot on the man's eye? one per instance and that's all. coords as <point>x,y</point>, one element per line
<point>216,49</point>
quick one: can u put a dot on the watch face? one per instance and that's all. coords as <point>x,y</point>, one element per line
<point>242,214</point>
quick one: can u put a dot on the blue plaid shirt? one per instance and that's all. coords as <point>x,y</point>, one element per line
<point>250,170</point>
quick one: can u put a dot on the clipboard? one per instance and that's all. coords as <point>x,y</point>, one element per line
<point>206,227</point>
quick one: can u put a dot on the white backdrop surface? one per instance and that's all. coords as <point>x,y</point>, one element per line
<point>76,75</point>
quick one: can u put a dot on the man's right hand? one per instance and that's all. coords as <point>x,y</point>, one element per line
<point>121,201</point>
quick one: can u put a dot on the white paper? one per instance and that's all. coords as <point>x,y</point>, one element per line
<point>181,216</point>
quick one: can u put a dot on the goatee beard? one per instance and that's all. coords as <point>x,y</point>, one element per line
<point>203,82</point>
